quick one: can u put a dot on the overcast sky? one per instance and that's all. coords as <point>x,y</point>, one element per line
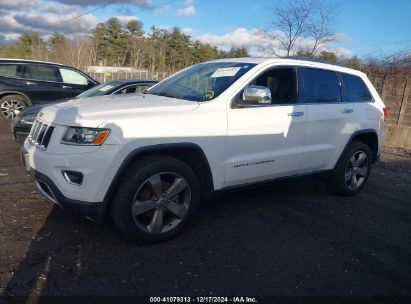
<point>364,27</point>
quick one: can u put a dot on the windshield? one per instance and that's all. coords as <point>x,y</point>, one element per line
<point>201,82</point>
<point>101,89</point>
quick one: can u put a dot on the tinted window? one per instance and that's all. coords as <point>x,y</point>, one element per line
<point>72,77</point>
<point>42,72</point>
<point>282,83</point>
<point>355,88</point>
<point>8,70</point>
<point>321,86</point>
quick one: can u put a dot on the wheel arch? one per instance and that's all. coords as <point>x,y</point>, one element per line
<point>368,137</point>
<point>5,93</point>
<point>189,153</point>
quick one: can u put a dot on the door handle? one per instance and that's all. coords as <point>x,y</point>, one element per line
<point>67,87</point>
<point>345,110</point>
<point>295,114</point>
<point>29,83</point>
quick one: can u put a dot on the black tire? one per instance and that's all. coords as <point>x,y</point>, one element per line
<point>10,104</point>
<point>347,170</point>
<point>136,182</point>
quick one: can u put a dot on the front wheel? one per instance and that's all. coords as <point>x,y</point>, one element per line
<point>352,170</point>
<point>157,198</point>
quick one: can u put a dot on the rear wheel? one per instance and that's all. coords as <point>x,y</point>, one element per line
<point>353,169</point>
<point>11,105</point>
<point>157,198</point>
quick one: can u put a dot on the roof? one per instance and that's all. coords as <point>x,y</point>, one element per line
<point>291,60</point>
<point>29,60</point>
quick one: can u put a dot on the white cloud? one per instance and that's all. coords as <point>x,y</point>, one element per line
<point>187,30</point>
<point>257,43</point>
<point>102,2</point>
<point>237,38</point>
<point>18,4</point>
<point>187,11</point>
<point>43,17</point>
<point>125,19</point>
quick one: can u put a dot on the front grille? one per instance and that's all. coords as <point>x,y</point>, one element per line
<point>40,134</point>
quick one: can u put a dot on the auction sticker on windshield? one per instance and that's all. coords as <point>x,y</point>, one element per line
<point>105,88</point>
<point>225,72</point>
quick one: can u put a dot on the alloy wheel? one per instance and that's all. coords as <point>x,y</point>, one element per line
<point>356,170</point>
<point>11,107</point>
<point>161,202</point>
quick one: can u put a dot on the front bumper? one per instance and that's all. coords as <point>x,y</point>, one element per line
<point>98,168</point>
<point>20,131</point>
<point>93,211</point>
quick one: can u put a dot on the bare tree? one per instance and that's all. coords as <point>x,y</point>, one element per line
<point>78,51</point>
<point>301,25</point>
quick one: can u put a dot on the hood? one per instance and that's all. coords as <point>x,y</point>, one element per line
<point>92,112</point>
<point>34,109</point>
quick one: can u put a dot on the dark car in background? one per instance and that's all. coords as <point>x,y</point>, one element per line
<point>24,83</point>
<point>22,122</point>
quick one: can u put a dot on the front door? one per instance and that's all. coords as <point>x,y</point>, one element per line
<point>266,141</point>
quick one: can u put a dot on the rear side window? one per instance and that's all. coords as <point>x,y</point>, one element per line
<point>321,86</point>
<point>42,72</point>
<point>72,77</point>
<point>355,88</point>
<point>8,70</point>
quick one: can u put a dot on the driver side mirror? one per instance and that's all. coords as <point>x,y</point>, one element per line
<point>255,95</point>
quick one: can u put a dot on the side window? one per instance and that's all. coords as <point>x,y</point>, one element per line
<point>72,77</point>
<point>8,70</point>
<point>356,89</point>
<point>282,83</point>
<point>142,88</point>
<point>42,72</point>
<point>321,86</point>
<point>139,89</point>
<point>129,90</point>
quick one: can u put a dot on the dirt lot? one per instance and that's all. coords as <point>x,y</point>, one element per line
<point>286,238</point>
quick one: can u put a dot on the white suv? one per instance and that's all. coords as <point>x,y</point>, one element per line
<point>148,159</point>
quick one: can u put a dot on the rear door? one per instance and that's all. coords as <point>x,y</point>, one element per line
<point>330,120</point>
<point>43,82</point>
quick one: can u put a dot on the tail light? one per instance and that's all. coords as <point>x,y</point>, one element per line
<point>385,110</point>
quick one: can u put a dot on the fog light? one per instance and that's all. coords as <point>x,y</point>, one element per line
<point>73,177</point>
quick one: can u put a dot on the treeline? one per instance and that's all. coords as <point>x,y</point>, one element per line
<point>399,62</point>
<point>159,50</point>
<point>115,44</point>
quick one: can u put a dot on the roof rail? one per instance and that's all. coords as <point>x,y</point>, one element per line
<point>314,60</point>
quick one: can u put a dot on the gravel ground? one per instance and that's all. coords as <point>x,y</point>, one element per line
<point>288,238</point>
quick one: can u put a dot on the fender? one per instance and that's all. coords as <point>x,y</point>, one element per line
<point>209,185</point>
<point>3,93</point>
<point>350,140</point>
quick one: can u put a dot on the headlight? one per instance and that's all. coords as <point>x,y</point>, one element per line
<point>84,136</point>
<point>29,119</point>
